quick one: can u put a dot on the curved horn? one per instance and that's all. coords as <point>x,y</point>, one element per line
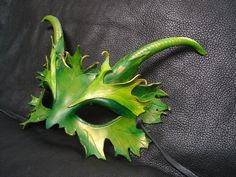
<point>57,30</point>
<point>124,69</point>
<point>56,51</point>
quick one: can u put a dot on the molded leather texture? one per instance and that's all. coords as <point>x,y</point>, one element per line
<point>200,130</point>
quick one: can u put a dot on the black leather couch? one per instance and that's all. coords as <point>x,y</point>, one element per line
<point>200,131</point>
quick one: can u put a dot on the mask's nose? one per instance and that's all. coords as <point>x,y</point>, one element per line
<point>56,115</point>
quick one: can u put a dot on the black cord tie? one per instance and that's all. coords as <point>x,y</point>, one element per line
<point>168,158</point>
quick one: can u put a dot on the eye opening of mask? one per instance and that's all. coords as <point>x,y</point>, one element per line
<point>96,114</point>
<point>47,100</point>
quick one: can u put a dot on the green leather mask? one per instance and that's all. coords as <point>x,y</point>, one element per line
<point>116,88</point>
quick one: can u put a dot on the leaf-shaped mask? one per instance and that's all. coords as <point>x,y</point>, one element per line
<point>114,87</point>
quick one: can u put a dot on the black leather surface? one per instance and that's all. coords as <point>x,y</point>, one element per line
<point>200,130</point>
